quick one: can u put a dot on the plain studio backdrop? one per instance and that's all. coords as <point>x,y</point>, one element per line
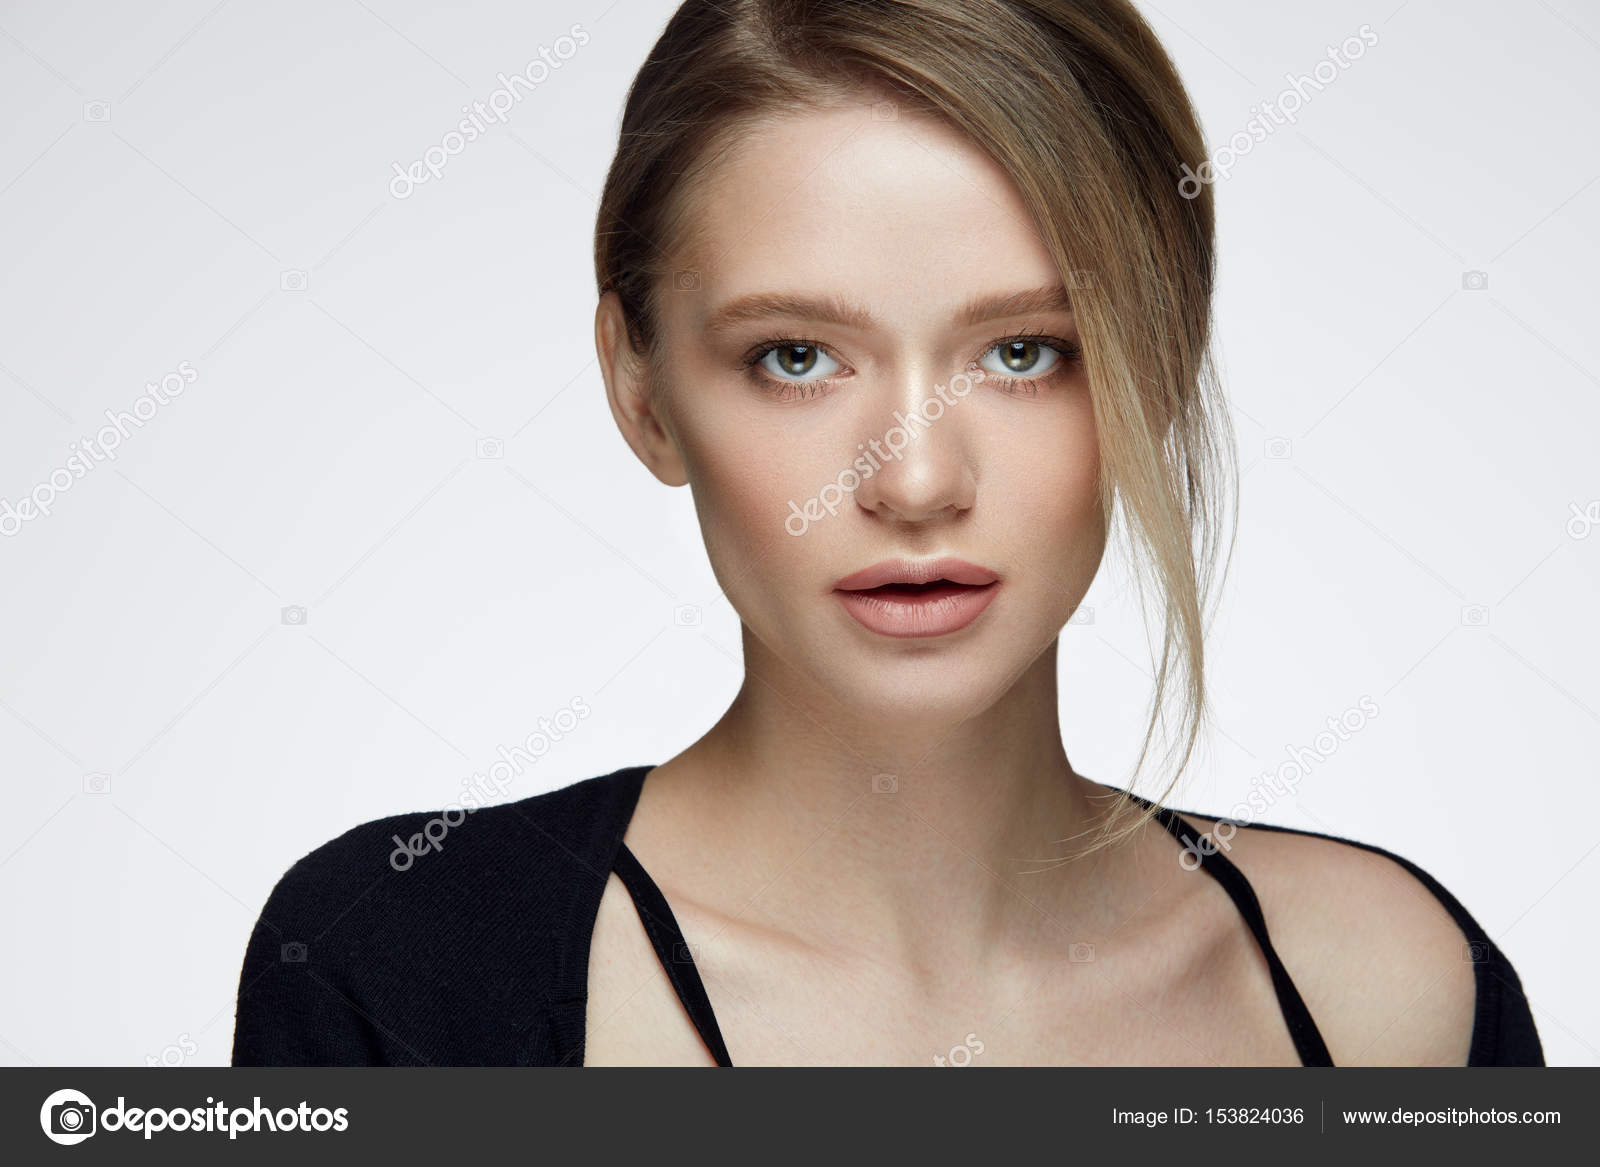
<point>388,523</point>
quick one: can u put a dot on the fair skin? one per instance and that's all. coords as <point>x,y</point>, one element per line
<point>835,923</point>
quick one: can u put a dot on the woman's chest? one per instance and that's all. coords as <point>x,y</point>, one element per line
<point>1100,1003</point>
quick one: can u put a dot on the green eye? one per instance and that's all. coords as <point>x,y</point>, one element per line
<point>1025,358</point>
<point>797,359</point>
<point>793,362</point>
<point>1021,362</point>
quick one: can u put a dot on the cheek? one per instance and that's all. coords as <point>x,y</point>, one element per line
<point>1051,502</point>
<point>742,490</point>
<point>1075,479</point>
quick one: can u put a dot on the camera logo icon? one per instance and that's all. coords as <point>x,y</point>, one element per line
<point>686,281</point>
<point>1475,616</point>
<point>294,280</point>
<point>1475,281</point>
<point>68,1117</point>
<point>686,616</point>
<point>1083,615</point>
<point>1278,449</point>
<point>1081,952</point>
<point>294,614</point>
<point>491,448</point>
<point>97,111</point>
<point>1475,952</point>
<point>97,783</point>
<point>1583,521</point>
<point>885,111</point>
<point>293,952</point>
<point>885,784</point>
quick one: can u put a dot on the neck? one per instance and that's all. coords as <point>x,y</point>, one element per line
<point>900,831</point>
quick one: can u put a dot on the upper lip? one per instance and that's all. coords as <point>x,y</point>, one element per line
<point>912,571</point>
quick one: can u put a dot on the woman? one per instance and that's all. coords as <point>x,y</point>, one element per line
<point>915,299</point>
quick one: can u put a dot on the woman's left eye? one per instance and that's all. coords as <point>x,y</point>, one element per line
<point>1023,357</point>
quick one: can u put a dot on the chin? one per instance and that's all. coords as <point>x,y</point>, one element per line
<point>915,681</point>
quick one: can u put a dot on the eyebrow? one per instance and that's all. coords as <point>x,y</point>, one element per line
<point>833,310</point>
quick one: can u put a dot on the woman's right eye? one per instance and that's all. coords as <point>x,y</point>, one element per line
<point>798,362</point>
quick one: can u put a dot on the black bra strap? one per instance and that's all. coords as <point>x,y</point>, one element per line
<point>1307,1037</point>
<point>672,950</point>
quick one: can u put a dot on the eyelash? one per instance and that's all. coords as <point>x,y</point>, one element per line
<point>1069,351</point>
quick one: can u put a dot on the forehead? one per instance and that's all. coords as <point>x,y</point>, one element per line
<point>902,213</point>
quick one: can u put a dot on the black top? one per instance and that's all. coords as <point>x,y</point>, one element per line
<point>421,939</point>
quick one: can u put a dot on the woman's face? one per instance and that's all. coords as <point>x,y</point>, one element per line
<point>847,267</point>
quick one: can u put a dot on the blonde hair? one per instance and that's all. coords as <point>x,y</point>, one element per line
<point>1079,104</point>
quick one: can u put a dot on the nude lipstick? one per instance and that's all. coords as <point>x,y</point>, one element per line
<point>904,598</point>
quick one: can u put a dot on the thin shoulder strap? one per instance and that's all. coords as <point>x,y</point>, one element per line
<point>1307,1037</point>
<point>672,950</point>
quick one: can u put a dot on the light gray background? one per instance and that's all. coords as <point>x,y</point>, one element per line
<point>1440,440</point>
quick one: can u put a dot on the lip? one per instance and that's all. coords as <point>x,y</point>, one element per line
<point>870,597</point>
<point>913,571</point>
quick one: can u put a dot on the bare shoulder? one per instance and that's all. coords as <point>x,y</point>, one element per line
<point>1379,959</point>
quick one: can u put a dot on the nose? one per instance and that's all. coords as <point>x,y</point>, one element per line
<point>924,470</point>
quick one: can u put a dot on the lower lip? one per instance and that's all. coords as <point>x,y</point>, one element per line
<point>935,612</point>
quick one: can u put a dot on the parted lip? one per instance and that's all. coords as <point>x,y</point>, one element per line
<point>910,571</point>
